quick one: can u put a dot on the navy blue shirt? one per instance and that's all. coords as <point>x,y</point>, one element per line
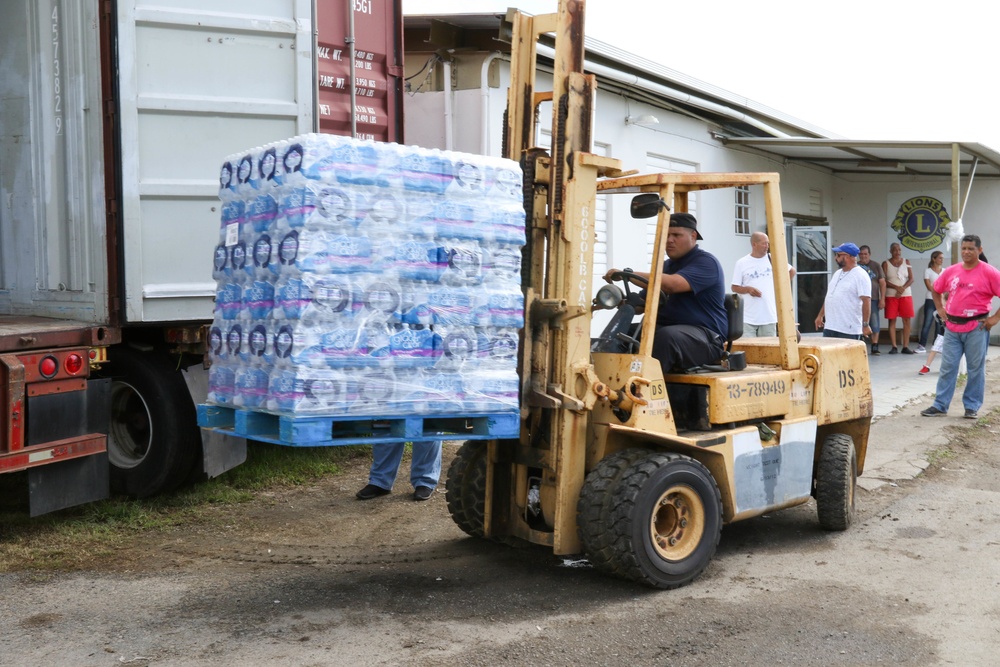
<point>704,304</point>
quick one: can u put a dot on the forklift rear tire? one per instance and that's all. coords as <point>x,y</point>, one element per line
<point>667,520</point>
<point>836,479</point>
<point>153,437</point>
<point>596,506</point>
<point>465,487</point>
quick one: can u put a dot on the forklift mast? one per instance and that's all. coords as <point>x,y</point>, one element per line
<point>557,377</point>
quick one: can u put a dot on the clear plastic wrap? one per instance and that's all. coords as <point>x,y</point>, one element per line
<point>362,278</point>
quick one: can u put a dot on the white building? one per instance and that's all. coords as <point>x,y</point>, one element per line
<point>655,119</point>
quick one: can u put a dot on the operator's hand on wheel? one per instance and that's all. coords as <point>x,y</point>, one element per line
<point>623,275</point>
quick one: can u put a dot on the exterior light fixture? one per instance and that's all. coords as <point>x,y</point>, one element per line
<point>646,120</point>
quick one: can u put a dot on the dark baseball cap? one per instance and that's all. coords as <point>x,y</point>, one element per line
<point>685,220</point>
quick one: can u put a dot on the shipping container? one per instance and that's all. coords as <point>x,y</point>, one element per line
<point>374,30</point>
<point>114,120</point>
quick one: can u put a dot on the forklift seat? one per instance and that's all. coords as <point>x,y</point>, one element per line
<point>734,316</point>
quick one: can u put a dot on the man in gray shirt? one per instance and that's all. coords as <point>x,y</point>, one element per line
<point>874,270</point>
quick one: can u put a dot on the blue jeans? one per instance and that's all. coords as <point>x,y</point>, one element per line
<point>925,328</point>
<point>973,345</point>
<point>425,464</point>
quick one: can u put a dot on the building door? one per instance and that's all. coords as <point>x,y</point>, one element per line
<point>811,259</point>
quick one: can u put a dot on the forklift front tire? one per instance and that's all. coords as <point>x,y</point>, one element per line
<point>465,487</point>
<point>668,520</point>
<point>596,506</point>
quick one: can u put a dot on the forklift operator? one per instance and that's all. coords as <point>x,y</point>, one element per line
<point>692,324</point>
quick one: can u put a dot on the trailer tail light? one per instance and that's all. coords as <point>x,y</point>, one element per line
<point>48,367</point>
<point>55,368</point>
<point>73,363</point>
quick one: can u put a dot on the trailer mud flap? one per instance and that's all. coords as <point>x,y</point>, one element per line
<point>221,452</point>
<point>67,483</point>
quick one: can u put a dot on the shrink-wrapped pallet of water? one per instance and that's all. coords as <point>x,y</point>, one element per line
<point>363,278</point>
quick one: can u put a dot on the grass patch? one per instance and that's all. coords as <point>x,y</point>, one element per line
<point>78,537</point>
<point>938,456</point>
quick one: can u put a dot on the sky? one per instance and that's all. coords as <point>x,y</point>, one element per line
<point>862,69</point>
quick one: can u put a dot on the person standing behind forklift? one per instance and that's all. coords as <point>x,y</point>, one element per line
<point>692,325</point>
<point>752,278</point>
<point>847,307</point>
<point>970,287</point>
<point>425,469</point>
<point>874,269</point>
<point>898,298</point>
<point>931,273</point>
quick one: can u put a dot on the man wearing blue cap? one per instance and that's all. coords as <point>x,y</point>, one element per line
<point>847,307</point>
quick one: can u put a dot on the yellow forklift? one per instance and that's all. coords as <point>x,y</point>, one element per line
<point>637,470</point>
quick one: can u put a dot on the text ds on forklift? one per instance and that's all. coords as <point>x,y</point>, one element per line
<point>635,469</point>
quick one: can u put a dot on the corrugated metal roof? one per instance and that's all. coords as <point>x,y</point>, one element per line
<point>655,82</point>
<point>864,158</point>
<point>749,124</point>
<point>597,48</point>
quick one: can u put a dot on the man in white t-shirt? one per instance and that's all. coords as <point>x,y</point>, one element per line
<point>847,307</point>
<point>753,279</point>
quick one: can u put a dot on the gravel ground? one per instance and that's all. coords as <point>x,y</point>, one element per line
<point>314,577</point>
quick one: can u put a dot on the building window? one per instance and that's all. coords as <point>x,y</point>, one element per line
<point>816,203</point>
<point>743,210</point>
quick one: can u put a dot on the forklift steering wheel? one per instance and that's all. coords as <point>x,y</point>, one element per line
<point>627,276</point>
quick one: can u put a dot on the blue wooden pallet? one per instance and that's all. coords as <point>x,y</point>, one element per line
<point>326,431</point>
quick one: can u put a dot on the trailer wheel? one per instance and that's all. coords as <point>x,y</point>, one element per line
<point>465,487</point>
<point>153,436</point>
<point>836,479</point>
<point>596,505</point>
<point>667,520</point>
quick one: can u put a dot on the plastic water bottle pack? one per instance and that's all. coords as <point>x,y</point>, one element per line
<point>364,278</point>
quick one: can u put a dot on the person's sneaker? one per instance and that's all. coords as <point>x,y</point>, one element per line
<point>893,350</point>
<point>422,492</point>
<point>924,371</point>
<point>920,349</point>
<point>971,414</point>
<point>906,350</point>
<point>933,412</point>
<point>371,491</point>
<point>875,350</point>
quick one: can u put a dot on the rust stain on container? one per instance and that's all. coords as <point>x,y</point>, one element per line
<point>378,82</point>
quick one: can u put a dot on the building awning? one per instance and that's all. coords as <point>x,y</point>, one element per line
<point>861,159</point>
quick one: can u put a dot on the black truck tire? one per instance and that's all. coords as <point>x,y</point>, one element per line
<point>465,487</point>
<point>596,504</point>
<point>153,435</point>
<point>836,479</point>
<point>667,520</point>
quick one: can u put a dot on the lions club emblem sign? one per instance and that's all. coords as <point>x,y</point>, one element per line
<point>920,223</point>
